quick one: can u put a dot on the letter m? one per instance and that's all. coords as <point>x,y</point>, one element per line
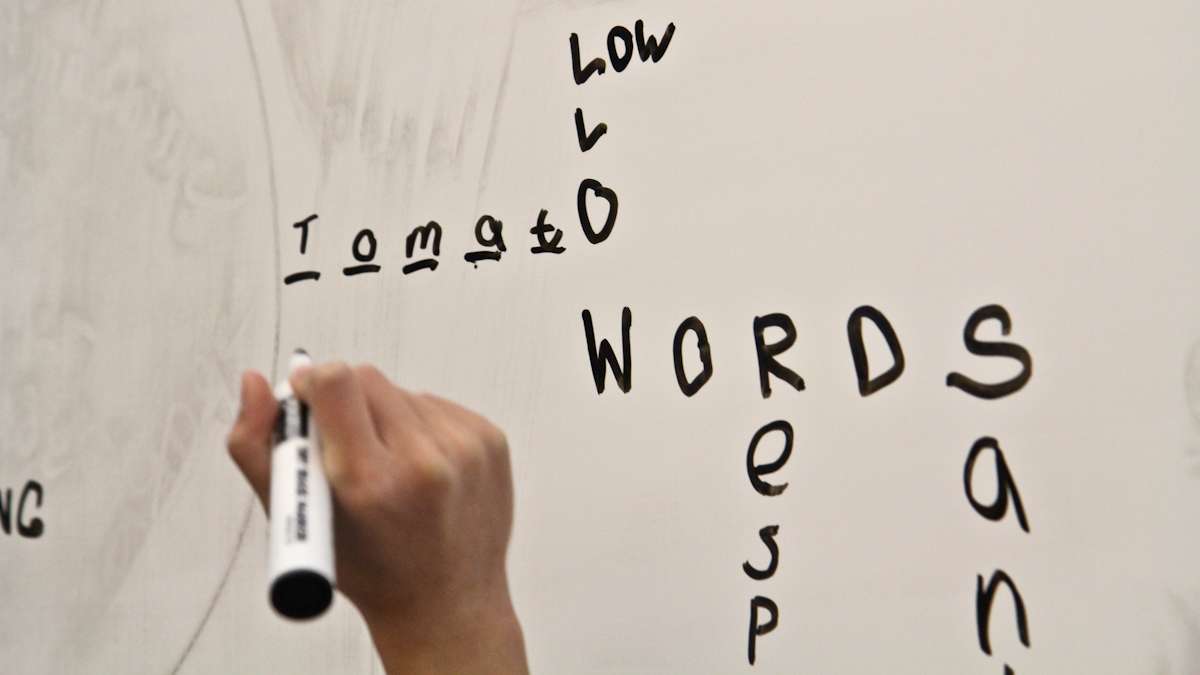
<point>425,232</point>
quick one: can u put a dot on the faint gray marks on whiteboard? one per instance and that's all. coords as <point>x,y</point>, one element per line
<point>341,106</point>
<point>468,116</point>
<point>275,223</point>
<point>207,400</point>
<point>49,419</point>
<point>210,398</point>
<point>1191,380</point>
<point>404,136</point>
<point>299,38</point>
<point>1186,618</point>
<point>1189,617</point>
<point>445,148</point>
<point>77,86</point>
<point>381,125</point>
<point>326,52</point>
<point>217,375</point>
<point>497,110</point>
<point>535,6</point>
<point>227,370</point>
<point>437,152</point>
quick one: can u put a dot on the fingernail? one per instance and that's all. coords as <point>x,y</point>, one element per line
<point>300,375</point>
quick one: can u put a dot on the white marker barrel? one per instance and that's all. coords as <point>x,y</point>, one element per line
<point>300,560</point>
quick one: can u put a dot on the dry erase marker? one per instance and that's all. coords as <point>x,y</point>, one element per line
<point>300,561</point>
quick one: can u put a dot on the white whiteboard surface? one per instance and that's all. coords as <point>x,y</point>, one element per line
<point>925,159</point>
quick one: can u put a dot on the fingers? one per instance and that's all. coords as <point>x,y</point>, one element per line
<point>396,417</point>
<point>249,441</point>
<point>339,404</point>
<point>429,434</point>
<point>413,438</point>
<point>454,437</point>
<point>477,450</point>
<point>473,445</point>
<point>367,424</point>
<point>468,421</point>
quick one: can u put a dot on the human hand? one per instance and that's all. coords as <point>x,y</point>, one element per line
<point>422,496</point>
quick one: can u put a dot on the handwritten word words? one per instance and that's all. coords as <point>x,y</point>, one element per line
<point>31,527</point>
<point>423,245</point>
<point>603,359</point>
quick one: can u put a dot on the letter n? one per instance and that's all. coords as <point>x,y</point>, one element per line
<point>983,609</point>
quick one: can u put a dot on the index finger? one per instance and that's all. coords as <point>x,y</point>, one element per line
<point>348,435</point>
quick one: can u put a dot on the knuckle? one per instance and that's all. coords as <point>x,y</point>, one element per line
<point>370,373</point>
<point>237,442</point>
<point>494,438</point>
<point>427,401</point>
<point>360,494</point>
<point>469,457</point>
<point>358,487</point>
<point>432,475</point>
<point>331,375</point>
<point>374,382</point>
<point>335,468</point>
<point>422,445</point>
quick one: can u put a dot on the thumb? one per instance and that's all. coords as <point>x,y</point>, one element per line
<point>249,441</point>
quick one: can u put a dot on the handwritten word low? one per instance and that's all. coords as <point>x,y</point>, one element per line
<point>620,50</point>
<point>620,54</point>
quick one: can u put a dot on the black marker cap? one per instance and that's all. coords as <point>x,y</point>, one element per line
<point>301,594</point>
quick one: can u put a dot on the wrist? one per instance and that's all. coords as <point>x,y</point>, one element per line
<point>481,636</point>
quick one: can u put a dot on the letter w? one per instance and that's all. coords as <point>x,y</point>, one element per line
<point>650,48</point>
<point>603,356</point>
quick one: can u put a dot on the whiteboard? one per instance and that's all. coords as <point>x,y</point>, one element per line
<point>777,159</point>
